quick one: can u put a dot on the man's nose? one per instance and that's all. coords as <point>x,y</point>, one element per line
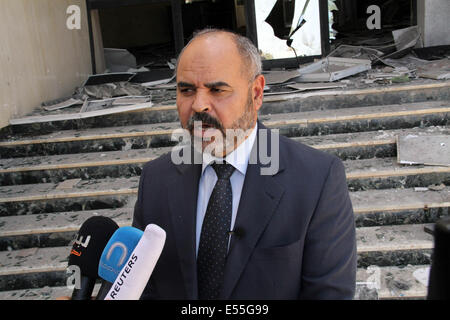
<point>201,103</point>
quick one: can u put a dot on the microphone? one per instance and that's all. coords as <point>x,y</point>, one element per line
<point>135,274</point>
<point>85,254</point>
<point>237,232</point>
<point>439,279</point>
<point>115,255</point>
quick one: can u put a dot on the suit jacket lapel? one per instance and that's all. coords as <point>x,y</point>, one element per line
<point>182,199</point>
<point>259,199</point>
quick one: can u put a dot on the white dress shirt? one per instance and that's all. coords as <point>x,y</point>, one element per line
<point>239,160</point>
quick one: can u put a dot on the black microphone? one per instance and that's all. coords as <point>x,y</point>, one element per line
<point>104,289</point>
<point>86,251</point>
<point>237,232</point>
<point>439,281</point>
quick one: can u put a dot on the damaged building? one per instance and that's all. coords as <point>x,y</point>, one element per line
<point>88,96</point>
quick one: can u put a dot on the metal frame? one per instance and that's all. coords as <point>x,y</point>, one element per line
<point>250,20</point>
<point>91,37</point>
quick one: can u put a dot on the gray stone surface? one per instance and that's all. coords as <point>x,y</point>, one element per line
<point>373,239</point>
<point>398,199</point>
<point>433,21</point>
<point>48,191</point>
<point>58,222</point>
<point>393,282</point>
<point>391,238</point>
<point>45,293</point>
<point>427,149</point>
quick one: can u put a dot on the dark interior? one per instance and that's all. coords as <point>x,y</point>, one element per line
<point>147,28</point>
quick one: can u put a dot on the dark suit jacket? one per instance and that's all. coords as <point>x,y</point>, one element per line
<point>298,231</point>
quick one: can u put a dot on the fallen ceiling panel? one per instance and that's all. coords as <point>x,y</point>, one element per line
<point>332,69</point>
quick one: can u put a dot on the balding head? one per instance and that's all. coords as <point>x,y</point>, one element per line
<point>250,59</point>
<point>216,84</point>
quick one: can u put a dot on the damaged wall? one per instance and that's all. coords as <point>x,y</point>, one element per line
<point>40,58</point>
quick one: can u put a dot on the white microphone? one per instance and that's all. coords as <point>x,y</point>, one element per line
<point>132,279</point>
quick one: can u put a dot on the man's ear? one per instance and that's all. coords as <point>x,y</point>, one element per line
<point>258,91</point>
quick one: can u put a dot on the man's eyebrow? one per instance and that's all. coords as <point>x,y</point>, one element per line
<point>210,85</point>
<point>182,84</point>
<point>217,84</point>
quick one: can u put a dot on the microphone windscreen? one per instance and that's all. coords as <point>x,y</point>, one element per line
<point>90,241</point>
<point>135,274</point>
<point>117,252</point>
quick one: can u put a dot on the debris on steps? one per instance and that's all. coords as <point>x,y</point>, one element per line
<point>56,171</point>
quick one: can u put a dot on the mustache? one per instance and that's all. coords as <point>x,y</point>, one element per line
<point>206,119</point>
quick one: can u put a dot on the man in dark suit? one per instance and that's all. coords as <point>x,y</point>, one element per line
<point>235,231</point>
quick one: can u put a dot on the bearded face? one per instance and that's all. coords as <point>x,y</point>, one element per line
<point>209,133</point>
<point>217,96</point>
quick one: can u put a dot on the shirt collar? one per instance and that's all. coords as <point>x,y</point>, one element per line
<point>239,157</point>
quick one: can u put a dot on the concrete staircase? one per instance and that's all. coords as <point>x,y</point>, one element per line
<point>57,172</point>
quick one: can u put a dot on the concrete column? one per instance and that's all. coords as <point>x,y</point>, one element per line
<point>433,20</point>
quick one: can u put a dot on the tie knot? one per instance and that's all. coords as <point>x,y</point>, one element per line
<point>223,170</point>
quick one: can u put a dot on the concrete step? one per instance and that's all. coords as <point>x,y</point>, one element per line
<point>45,293</point>
<point>372,208</point>
<point>398,199</point>
<point>393,245</point>
<point>366,145</point>
<point>93,165</point>
<point>388,117</point>
<point>360,119</point>
<point>399,206</point>
<point>69,195</point>
<point>97,165</point>
<point>409,282</point>
<point>34,267</point>
<point>386,173</point>
<point>52,229</point>
<point>90,140</point>
<point>368,95</point>
<point>43,202</point>
<point>74,195</point>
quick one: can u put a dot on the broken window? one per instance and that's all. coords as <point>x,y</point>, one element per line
<point>286,28</point>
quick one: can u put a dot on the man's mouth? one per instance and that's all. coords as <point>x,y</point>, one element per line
<point>206,126</point>
<point>201,125</point>
<point>204,129</point>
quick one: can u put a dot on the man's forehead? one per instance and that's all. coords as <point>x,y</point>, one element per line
<point>209,55</point>
<point>216,40</point>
